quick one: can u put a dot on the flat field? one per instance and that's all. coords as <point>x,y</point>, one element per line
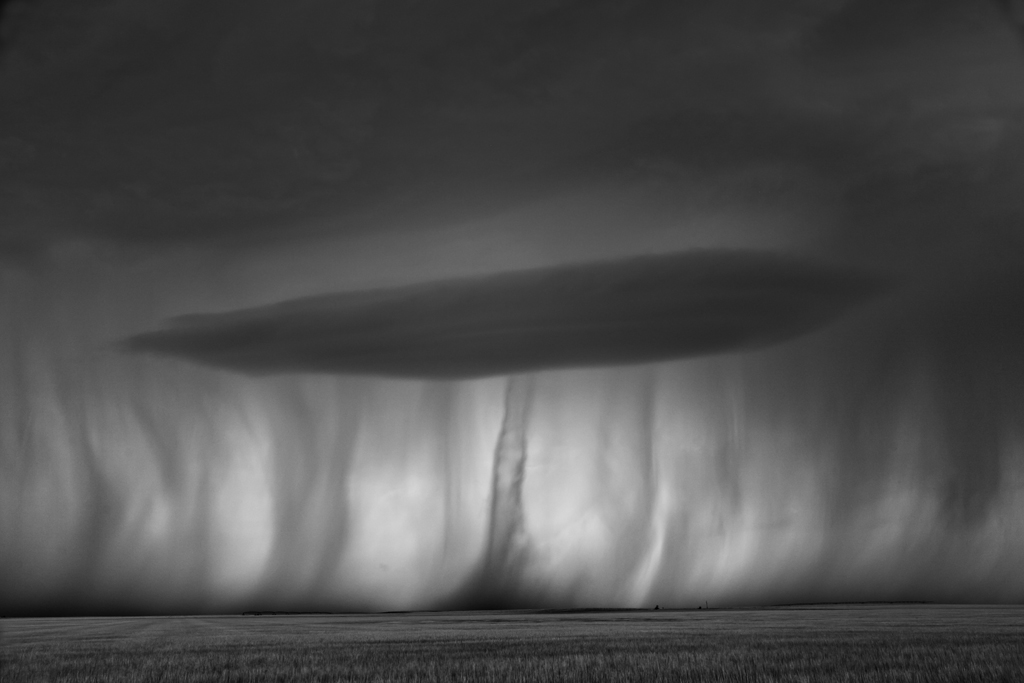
<point>823,643</point>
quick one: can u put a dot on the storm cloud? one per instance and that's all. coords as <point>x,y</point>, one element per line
<point>809,210</point>
<point>630,311</point>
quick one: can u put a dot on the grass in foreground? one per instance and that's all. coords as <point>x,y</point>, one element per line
<point>895,643</point>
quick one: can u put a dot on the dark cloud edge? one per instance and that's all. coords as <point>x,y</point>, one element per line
<point>627,311</point>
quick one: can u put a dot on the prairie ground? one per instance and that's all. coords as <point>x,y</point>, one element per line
<point>828,643</point>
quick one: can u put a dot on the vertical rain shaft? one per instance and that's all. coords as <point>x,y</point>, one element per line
<point>882,462</point>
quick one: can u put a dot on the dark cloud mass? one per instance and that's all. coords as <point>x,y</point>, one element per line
<point>637,310</point>
<point>175,122</point>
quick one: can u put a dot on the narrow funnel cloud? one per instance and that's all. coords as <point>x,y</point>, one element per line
<point>507,540</point>
<point>633,310</point>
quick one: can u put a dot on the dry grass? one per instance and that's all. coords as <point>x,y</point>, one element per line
<point>884,643</point>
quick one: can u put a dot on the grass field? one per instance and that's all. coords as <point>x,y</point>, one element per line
<point>841,643</point>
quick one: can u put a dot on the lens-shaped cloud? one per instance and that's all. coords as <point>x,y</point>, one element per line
<point>619,312</point>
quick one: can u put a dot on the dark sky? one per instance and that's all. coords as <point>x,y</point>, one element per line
<point>176,123</point>
<point>257,171</point>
